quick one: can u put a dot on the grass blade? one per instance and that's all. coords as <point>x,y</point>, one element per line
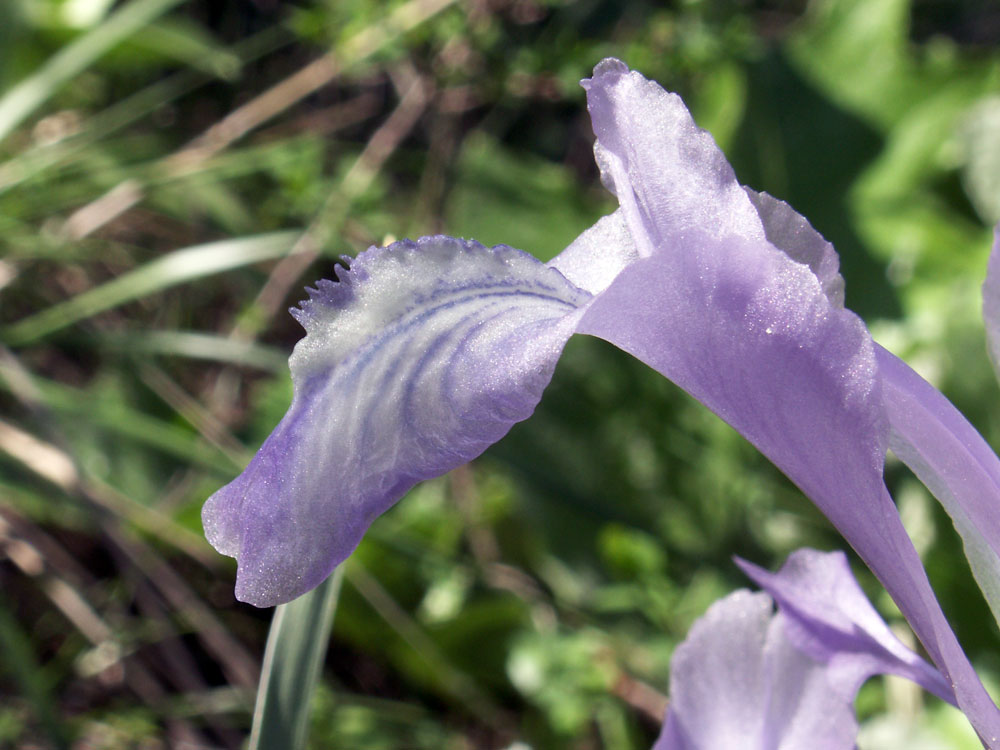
<point>29,163</point>
<point>296,647</point>
<point>205,346</point>
<point>171,269</point>
<point>18,103</point>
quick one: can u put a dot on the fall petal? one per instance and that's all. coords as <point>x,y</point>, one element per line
<point>422,355</point>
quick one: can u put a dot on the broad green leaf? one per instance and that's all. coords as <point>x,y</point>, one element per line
<point>855,51</point>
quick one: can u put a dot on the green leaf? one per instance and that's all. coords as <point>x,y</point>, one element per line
<point>102,406</point>
<point>18,103</point>
<point>200,346</point>
<point>20,665</point>
<point>521,200</point>
<point>172,269</point>
<point>189,43</point>
<point>855,51</point>
<point>293,659</point>
<point>980,136</point>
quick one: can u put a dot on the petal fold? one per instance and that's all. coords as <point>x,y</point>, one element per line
<point>422,355</point>
<point>596,257</point>
<point>791,233</point>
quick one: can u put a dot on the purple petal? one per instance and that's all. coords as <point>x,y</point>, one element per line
<point>738,682</point>
<point>946,453</point>
<point>423,354</point>
<point>596,257</point>
<point>751,333</point>
<point>830,618</point>
<point>791,233</point>
<point>686,176</point>
<point>991,302</point>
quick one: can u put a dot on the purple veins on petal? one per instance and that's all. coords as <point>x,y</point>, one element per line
<point>425,353</point>
<point>421,356</point>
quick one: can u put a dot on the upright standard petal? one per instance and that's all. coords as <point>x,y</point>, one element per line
<point>738,682</point>
<point>691,179</point>
<point>752,332</point>
<point>421,356</point>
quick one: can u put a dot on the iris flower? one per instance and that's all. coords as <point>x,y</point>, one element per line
<point>751,679</point>
<point>424,353</point>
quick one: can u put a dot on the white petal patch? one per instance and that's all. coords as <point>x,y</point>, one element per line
<point>595,258</point>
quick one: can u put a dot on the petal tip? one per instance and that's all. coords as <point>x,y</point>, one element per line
<point>610,66</point>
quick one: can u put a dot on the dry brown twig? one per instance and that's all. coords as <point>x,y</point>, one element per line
<point>384,141</point>
<point>61,578</point>
<point>262,108</point>
<point>56,466</point>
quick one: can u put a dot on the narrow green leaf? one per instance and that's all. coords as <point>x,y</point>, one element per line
<point>101,408</point>
<point>18,103</point>
<point>293,659</point>
<point>29,163</point>
<point>189,43</point>
<point>200,346</point>
<point>20,665</point>
<point>171,269</point>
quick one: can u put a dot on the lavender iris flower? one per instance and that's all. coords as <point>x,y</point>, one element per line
<point>737,681</point>
<point>748,678</point>
<point>424,353</point>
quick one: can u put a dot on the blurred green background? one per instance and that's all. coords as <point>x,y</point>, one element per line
<point>173,172</point>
